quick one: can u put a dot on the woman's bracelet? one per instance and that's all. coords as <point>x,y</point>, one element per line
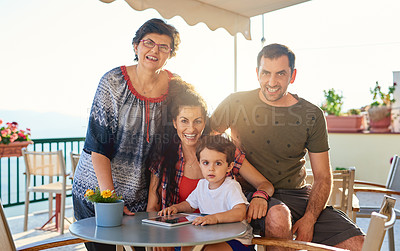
<point>262,194</point>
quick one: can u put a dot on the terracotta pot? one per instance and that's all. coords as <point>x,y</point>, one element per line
<point>13,149</point>
<point>380,125</point>
<point>380,119</point>
<point>352,123</point>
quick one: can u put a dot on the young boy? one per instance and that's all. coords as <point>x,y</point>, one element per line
<point>217,195</point>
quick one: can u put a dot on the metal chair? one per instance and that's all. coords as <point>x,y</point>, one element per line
<point>7,242</point>
<point>392,187</point>
<point>49,164</point>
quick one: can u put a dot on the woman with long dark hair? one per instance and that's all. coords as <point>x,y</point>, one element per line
<point>176,173</point>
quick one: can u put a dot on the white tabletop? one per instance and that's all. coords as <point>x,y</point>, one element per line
<point>133,232</point>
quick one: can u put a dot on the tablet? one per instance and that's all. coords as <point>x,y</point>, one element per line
<point>172,220</point>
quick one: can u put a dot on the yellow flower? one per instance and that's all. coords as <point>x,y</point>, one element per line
<point>106,193</point>
<point>105,196</point>
<point>89,192</point>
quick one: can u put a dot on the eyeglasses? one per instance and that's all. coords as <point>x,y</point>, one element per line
<point>150,44</point>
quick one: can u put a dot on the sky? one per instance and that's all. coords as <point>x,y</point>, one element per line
<point>53,53</point>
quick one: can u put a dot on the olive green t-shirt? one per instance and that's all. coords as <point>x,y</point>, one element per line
<point>275,139</point>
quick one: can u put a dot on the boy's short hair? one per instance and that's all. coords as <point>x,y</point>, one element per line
<point>217,143</point>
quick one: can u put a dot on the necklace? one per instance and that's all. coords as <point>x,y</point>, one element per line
<point>190,166</point>
<point>143,90</point>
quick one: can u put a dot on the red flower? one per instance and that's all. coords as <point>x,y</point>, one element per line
<point>10,133</point>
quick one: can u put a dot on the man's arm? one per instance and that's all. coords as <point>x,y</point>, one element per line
<point>258,206</point>
<point>220,119</point>
<point>320,192</point>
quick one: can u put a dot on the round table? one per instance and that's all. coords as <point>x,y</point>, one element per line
<point>133,232</point>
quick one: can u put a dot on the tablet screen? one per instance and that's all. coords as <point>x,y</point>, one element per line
<point>171,220</point>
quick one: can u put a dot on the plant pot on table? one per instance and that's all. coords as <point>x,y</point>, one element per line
<point>109,214</point>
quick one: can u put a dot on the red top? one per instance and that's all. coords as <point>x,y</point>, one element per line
<point>186,187</point>
<point>145,99</point>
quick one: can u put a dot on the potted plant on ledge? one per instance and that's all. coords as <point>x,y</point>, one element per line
<point>335,119</point>
<point>380,110</point>
<point>12,139</point>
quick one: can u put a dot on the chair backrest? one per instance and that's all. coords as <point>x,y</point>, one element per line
<point>393,181</point>
<point>74,162</point>
<point>343,190</point>
<point>6,240</point>
<point>379,223</point>
<point>44,163</point>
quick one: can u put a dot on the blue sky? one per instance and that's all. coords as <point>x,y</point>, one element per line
<point>53,53</point>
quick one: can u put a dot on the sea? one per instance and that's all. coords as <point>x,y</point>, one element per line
<point>43,126</point>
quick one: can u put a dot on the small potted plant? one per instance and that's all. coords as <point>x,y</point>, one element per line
<point>108,207</point>
<point>12,139</point>
<point>337,121</point>
<point>380,110</point>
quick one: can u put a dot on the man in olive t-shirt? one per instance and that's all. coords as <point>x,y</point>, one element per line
<point>276,129</point>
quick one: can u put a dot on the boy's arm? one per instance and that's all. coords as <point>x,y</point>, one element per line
<point>237,213</point>
<point>184,206</point>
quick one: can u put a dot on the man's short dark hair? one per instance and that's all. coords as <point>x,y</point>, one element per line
<point>217,143</point>
<point>273,51</point>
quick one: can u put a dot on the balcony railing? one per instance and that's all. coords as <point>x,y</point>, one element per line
<point>12,177</point>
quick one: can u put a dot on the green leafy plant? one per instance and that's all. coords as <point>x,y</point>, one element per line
<point>381,98</point>
<point>105,196</point>
<point>354,112</point>
<point>333,102</point>
<point>10,133</point>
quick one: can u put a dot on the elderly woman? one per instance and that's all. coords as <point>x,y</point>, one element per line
<point>125,121</point>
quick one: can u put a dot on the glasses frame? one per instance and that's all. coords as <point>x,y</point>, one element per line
<point>143,40</point>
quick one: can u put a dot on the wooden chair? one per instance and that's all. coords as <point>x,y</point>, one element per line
<point>380,222</point>
<point>263,242</point>
<point>342,196</point>
<point>74,162</point>
<point>47,164</point>
<point>392,187</point>
<point>7,242</point>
